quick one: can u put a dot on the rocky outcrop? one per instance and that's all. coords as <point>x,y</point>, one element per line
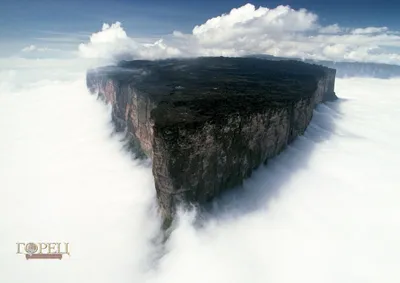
<point>207,123</point>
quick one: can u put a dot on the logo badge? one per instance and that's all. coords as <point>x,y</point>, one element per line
<point>43,250</point>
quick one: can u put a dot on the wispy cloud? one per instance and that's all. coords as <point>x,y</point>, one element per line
<point>370,30</point>
<point>61,39</point>
<point>72,34</point>
<point>335,28</point>
<point>48,37</point>
<point>31,48</point>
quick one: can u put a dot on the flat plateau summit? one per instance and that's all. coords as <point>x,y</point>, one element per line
<point>208,122</point>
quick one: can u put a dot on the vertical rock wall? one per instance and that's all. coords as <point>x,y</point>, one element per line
<point>196,163</point>
<point>193,162</point>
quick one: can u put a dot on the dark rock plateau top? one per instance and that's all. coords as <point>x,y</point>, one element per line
<point>207,122</point>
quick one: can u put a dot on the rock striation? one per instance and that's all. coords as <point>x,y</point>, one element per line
<point>208,122</point>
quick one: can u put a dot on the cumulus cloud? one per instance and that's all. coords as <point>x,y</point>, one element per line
<point>280,31</point>
<point>247,22</point>
<point>112,42</point>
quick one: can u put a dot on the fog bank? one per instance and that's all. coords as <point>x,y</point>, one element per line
<point>325,210</point>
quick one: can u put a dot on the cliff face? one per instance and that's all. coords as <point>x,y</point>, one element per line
<point>207,123</point>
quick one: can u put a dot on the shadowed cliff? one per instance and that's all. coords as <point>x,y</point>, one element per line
<point>207,123</point>
<point>268,180</point>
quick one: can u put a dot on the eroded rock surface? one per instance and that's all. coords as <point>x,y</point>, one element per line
<point>207,123</point>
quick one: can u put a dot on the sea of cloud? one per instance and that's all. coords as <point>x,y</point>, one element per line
<point>325,210</point>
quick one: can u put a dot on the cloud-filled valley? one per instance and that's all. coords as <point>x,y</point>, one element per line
<point>324,210</point>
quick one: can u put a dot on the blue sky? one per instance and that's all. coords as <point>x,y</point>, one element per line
<point>62,24</point>
<point>32,18</point>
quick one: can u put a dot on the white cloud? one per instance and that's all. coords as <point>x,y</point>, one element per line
<point>369,30</point>
<point>32,48</point>
<point>281,31</point>
<point>325,210</point>
<point>330,29</point>
<point>64,201</point>
<point>335,50</point>
<point>112,42</point>
<point>247,22</point>
<point>29,48</point>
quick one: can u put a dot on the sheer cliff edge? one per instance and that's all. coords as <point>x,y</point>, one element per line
<point>208,122</point>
